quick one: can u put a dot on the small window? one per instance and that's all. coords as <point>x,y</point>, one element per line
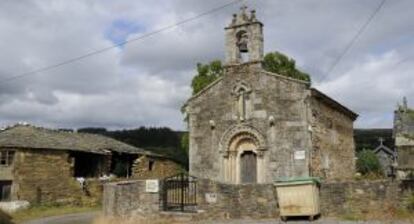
<point>6,158</point>
<point>5,190</point>
<point>150,165</point>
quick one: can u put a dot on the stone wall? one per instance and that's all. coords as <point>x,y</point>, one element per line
<point>406,158</point>
<point>333,149</point>
<point>44,176</point>
<point>154,168</point>
<point>404,140</point>
<point>259,201</point>
<point>215,200</point>
<point>364,197</point>
<point>128,198</point>
<point>275,114</point>
<point>228,201</point>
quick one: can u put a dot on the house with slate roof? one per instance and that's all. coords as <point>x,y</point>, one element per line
<point>387,157</point>
<point>41,165</point>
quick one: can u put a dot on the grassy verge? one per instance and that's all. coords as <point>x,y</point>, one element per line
<point>37,212</point>
<point>392,214</point>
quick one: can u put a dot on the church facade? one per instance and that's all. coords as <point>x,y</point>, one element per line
<point>254,126</point>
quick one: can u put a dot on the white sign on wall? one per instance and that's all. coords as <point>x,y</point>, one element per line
<point>300,155</point>
<point>211,198</point>
<point>151,186</point>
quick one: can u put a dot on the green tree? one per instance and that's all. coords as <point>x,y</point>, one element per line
<point>279,63</point>
<point>185,147</point>
<point>207,73</point>
<point>275,62</point>
<point>185,142</point>
<point>368,163</point>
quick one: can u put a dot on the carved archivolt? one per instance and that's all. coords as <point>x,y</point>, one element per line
<point>241,133</point>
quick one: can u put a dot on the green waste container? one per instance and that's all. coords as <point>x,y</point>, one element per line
<point>298,197</point>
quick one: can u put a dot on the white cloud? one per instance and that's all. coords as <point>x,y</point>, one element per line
<point>146,82</point>
<point>372,88</point>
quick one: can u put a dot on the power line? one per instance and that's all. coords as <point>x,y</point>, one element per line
<point>353,40</point>
<point>90,54</point>
<point>404,60</point>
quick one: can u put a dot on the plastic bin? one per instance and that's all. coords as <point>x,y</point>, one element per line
<point>298,197</point>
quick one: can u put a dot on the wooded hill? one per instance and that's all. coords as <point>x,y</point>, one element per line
<point>369,138</point>
<point>161,140</point>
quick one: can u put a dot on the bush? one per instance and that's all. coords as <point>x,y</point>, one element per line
<point>411,202</point>
<point>368,163</point>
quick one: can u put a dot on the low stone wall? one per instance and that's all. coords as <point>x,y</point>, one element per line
<point>128,198</point>
<point>364,197</point>
<point>259,201</point>
<point>218,200</point>
<point>215,200</point>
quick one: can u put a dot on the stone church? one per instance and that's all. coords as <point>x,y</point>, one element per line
<point>254,126</point>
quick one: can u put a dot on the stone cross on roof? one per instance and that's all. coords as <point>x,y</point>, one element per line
<point>381,140</point>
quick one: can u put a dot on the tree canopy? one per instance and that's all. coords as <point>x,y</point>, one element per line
<point>207,73</point>
<point>275,62</point>
<point>161,140</point>
<point>279,63</point>
<point>368,163</point>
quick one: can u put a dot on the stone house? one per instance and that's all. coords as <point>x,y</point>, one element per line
<point>40,165</point>
<point>254,126</point>
<point>404,140</point>
<point>387,158</point>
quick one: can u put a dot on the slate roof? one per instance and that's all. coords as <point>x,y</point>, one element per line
<point>30,137</point>
<point>384,148</point>
<point>333,103</point>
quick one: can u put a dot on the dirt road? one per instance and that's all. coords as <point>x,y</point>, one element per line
<point>80,218</point>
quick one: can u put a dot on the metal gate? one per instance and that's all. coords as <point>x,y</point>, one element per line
<point>179,193</point>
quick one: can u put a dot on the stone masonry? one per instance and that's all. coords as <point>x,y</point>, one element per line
<point>50,179</point>
<point>333,148</point>
<point>251,125</point>
<point>404,140</point>
<point>218,201</point>
<point>147,168</point>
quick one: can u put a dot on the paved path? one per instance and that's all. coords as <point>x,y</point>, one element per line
<point>79,218</point>
<point>319,221</point>
<point>87,218</point>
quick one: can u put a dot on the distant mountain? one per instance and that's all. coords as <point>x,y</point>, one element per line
<point>368,138</point>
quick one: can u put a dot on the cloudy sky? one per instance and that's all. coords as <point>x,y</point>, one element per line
<point>147,81</point>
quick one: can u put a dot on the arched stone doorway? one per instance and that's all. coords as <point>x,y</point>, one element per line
<point>243,157</point>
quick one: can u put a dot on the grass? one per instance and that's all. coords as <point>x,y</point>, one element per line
<point>388,214</point>
<point>37,212</point>
<point>404,214</point>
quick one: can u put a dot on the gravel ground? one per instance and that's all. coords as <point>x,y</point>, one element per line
<point>304,221</point>
<point>79,218</point>
<point>87,218</point>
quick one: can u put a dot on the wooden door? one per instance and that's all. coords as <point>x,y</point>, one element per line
<point>248,171</point>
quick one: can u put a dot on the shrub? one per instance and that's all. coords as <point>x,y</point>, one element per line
<point>411,202</point>
<point>368,163</point>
